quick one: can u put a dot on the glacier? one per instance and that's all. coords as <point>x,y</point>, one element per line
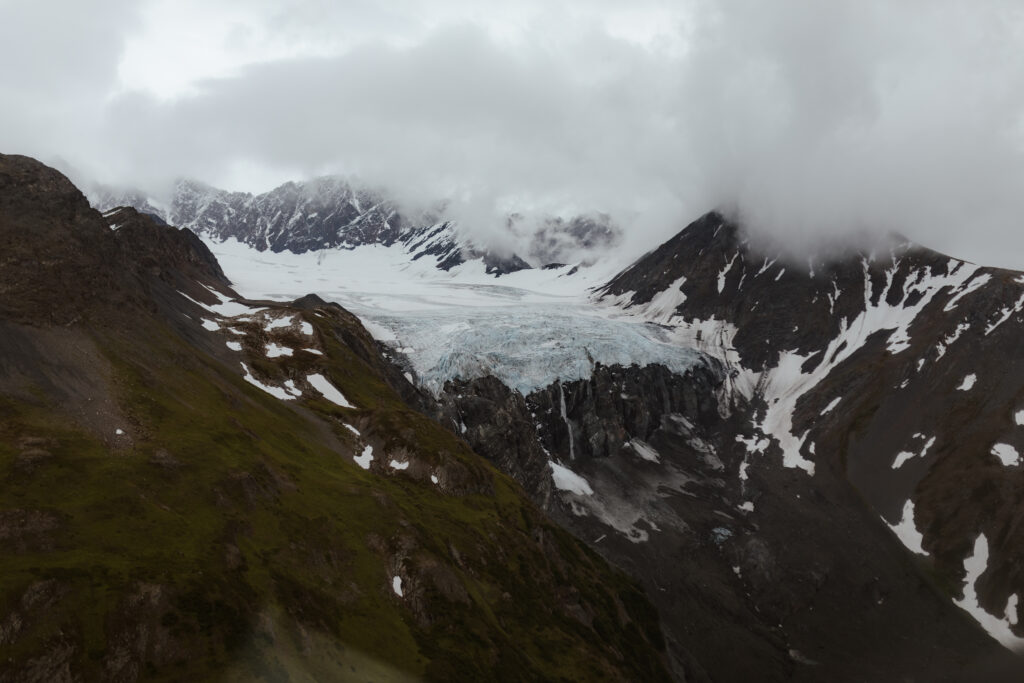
<point>527,347</point>
<point>529,329</point>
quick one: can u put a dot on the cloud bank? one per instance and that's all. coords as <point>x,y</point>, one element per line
<point>813,121</point>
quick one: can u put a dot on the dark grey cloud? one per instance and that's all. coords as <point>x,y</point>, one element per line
<point>812,120</point>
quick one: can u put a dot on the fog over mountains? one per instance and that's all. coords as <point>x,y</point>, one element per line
<point>804,120</point>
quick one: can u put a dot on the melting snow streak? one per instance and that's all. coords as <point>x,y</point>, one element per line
<point>329,391</point>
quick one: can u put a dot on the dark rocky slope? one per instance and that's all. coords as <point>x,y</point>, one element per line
<point>914,360</point>
<point>760,569</point>
<point>166,516</point>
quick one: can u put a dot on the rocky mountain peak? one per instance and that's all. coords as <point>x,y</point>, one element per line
<point>58,259</point>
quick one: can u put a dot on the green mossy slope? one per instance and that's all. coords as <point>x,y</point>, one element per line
<point>228,535</point>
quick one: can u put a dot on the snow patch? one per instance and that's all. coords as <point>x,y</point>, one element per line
<point>904,456</point>
<point>395,465</point>
<point>276,392</point>
<point>999,628</point>
<point>210,325</point>
<point>940,348</point>
<point>968,382</point>
<point>328,391</point>
<point>366,458</point>
<point>1006,313</point>
<point>275,351</point>
<point>831,405</point>
<point>396,585</point>
<point>1007,454</point>
<point>725,272</point>
<point>233,345</point>
<point>662,306</point>
<point>971,287</point>
<point>567,480</point>
<point>278,323</point>
<point>226,307</point>
<point>643,450</point>
<point>907,532</point>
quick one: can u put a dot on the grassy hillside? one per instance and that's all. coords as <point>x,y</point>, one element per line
<point>229,534</point>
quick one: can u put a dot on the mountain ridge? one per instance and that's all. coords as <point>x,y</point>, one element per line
<point>330,212</point>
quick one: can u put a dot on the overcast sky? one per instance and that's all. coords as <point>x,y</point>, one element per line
<point>811,119</point>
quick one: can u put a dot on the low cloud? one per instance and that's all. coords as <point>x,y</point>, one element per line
<point>811,121</point>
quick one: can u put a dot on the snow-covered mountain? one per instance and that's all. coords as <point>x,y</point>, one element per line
<point>329,213</point>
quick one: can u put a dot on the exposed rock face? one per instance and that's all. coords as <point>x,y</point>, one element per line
<point>60,262</point>
<point>58,259</point>
<point>174,255</point>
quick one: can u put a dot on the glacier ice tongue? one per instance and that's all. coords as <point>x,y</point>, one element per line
<point>528,347</point>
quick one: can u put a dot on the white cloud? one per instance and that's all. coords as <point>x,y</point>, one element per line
<point>812,119</point>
